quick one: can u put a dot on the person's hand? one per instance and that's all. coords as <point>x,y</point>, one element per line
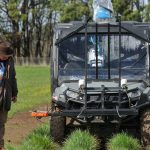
<point>14,99</point>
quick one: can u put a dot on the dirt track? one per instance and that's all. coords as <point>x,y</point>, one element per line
<point>18,127</point>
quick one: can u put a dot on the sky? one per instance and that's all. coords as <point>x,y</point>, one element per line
<point>146,1</point>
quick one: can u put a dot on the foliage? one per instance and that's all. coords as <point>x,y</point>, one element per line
<point>33,21</point>
<point>13,13</point>
<point>80,140</point>
<point>37,140</point>
<point>74,11</point>
<point>33,86</point>
<point>120,6</point>
<point>148,147</point>
<point>129,10</point>
<point>28,24</point>
<point>123,141</point>
<point>147,14</point>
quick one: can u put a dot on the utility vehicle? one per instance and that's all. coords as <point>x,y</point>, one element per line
<point>100,78</point>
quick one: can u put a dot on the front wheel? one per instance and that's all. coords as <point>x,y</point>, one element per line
<point>57,128</point>
<point>145,127</point>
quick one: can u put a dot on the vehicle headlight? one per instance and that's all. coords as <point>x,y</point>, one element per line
<point>124,83</point>
<point>72,94</point>
<point>81,83</point>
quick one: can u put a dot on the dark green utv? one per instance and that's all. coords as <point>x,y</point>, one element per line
<point>100,78</point>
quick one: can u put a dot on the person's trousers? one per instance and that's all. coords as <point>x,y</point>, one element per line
<point>3,119</point>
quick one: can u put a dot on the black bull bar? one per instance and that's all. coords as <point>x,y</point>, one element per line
<point>87,112</point>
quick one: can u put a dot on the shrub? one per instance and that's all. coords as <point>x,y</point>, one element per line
<point>123,141</point>
<point>81,140</point>
<point>37,140</point>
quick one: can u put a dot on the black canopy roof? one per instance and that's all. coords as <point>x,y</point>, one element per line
<point>139,30</point>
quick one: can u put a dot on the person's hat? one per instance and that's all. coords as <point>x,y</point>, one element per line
<point>5,49</point>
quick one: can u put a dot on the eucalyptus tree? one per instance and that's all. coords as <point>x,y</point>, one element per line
<point>45,14</point>
<point>28,24</point>
<point>147,12</point>
<point>39,19</point>
<point>129,9</point>
<point>74,10</point>
<point>10,22</point>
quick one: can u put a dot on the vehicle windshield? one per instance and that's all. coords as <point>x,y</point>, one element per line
<point>72,57</point>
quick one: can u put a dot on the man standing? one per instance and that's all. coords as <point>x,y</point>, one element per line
<point>8,86</point>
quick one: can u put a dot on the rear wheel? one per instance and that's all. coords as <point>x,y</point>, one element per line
<point>145,127</point>
<point>57,128</point>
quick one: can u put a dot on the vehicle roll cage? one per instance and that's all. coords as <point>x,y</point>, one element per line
<point>118,28</point>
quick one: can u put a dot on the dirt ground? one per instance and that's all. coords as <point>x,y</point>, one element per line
<point>18,127</point>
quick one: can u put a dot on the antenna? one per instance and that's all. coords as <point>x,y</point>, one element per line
<point>119,18</point>
<point>149,52</point>
<point>86,50</point>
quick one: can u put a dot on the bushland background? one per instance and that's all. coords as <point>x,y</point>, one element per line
<point>29,24</point>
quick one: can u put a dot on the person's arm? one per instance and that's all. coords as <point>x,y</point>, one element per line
<point>14,83</point>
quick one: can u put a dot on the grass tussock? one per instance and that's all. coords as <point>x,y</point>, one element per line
<point>123,141</point>
<point>80,140</point>
<point>37,140</point>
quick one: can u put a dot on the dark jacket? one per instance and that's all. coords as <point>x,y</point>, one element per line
<point>9,85</point>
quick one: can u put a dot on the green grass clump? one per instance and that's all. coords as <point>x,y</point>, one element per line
<point>80,140</point>
<point>123,141</point>
<point>37,140</point>
<point>34,88</point>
